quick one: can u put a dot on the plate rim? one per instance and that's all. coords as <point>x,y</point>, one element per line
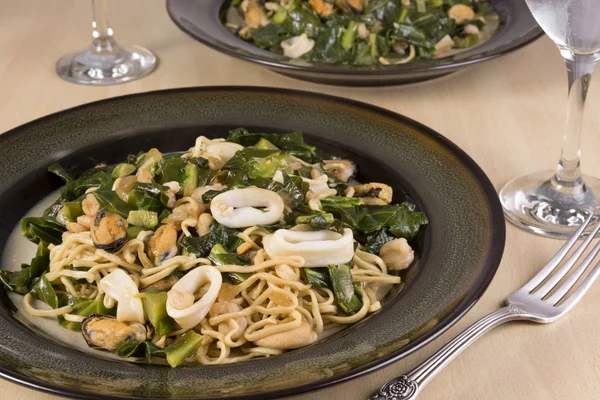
<point>330,70</point>
<point>494,256</point>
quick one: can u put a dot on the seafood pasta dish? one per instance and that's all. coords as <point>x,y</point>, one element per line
<point>237,248</point>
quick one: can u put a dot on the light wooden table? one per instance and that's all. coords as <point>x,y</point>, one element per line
<point>507,114</point>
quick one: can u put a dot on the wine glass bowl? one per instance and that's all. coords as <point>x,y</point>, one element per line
<point>105,62</point>
<point>555,203</point>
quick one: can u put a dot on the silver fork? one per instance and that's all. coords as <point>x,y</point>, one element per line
<point>531,302</point>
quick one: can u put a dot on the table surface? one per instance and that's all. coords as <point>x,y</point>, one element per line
<point>507,114</point>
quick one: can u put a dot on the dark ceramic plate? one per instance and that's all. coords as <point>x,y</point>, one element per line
<point>202,21</point>
<point>460,248</point>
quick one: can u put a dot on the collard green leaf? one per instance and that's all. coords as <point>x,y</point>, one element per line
<point>149,197</point>
<point>43,291</point>
<point>328,47</point>
<point>16,281</point>
<point>401,220</point>
<point>138,349</point>
<point>218,234</point>
<point>292,142</point>
<point>171,168</point>
<point>318,277</point>
<point>343,288</point>
<point>82,307</point>
<point>302,20</point>
<point>406,222</point>
<point>46,229</point>
<point>109,199</point>
<point>378,239</point>
<point>334,203</point>
<point>270,36</point>
<point>293,189</point>
<point>41,261</point>
<point>219,255</point>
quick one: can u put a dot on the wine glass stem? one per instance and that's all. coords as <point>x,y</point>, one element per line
<point>101,31</point>
<point>567,178</point>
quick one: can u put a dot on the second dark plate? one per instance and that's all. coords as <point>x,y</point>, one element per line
<point>202,21</point>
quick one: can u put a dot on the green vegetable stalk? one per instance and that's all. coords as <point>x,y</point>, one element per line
<point>155,308</point>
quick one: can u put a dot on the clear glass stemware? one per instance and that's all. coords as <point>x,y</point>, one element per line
<point>554,203</point>
<point>105,62</point>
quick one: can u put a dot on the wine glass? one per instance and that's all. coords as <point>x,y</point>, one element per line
<point>105,62</point>
<point>554,203</point>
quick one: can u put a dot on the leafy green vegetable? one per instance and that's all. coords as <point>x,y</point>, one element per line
<point>252,163</point>
<point>218,234</point>
<point>92,178</point>
<point>37,229</point>
<point>328,46</point>
<point>319,220</point>
<point>290,142</point>
<point>406,222</point>
<point>16,281</point>
<point>412,35</point>
<point>334,203</point>
<point>41,262</point>
<point>122,170</point>
<point>138,349</point>
<point>302,20</point>
<point>378,239</point>
<point>343,288</point>
<point>155,308</point>
<point>68,212</point>
<point>149,197</point>
<point>269,37</point>
<point>171,169</point>
<point>109,200</point>
<point>219,255</point>
<point>401,220</point>
<point>43,291</point>
<point>82,307</point>
<point>293,189</point>
<point>318,277</point>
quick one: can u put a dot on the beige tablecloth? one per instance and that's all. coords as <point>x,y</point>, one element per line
<point>507,114</point>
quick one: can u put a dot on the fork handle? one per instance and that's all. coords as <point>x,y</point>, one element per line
<point>408,386</point>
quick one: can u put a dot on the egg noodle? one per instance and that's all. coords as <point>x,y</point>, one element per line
<point>277,295</point>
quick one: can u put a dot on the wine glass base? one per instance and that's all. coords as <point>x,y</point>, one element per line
<point>532,203</point>
<point>122,64</point>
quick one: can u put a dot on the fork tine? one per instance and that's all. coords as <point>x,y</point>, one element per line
<point>568,284</point>
<point>553,281</point>
<point>581,290</point>
<point>558,257</point>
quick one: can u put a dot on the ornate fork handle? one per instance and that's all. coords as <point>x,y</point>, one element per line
<point>407,387</point>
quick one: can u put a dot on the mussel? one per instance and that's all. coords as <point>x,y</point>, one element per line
<point>106,333</point>
<point>108,231</point>
<point>163,244</point>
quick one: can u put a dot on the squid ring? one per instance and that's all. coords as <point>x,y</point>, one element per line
<point>318,248</point>
<point>236,208</point>
<point>180,299</point>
